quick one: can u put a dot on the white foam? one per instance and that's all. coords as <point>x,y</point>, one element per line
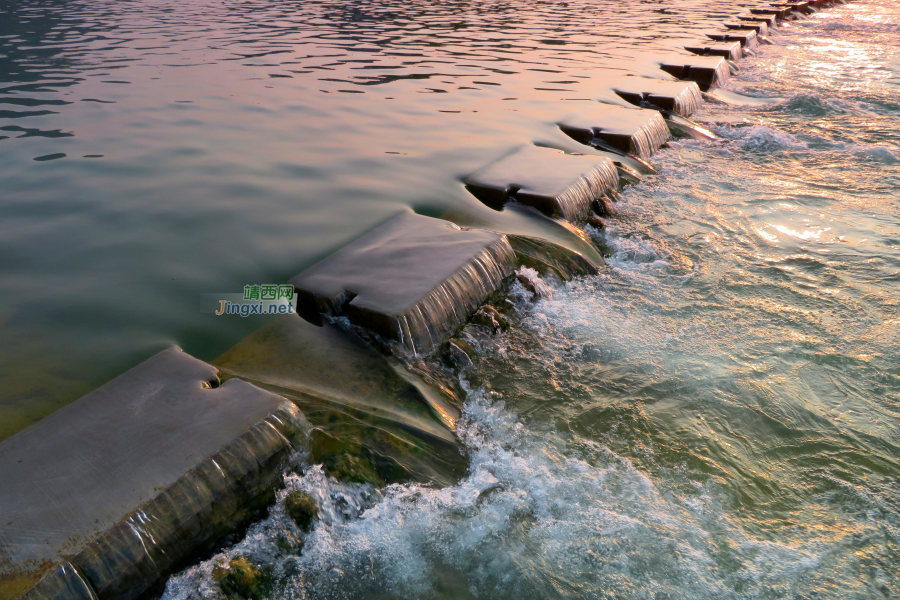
<point>759,138</point>
<point>533,510</point>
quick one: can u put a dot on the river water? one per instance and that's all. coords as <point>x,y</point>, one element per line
<point>714,416</point>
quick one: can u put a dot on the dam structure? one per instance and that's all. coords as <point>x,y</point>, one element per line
<point>146,475</point>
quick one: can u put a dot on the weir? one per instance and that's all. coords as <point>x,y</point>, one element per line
<point>114,492</point>
<point>411,281</point>
<point>706,72</point>
<point>748,38</point>
<point>636,131</point>
<point>759,27</point>
<point>769,20</point>
<point>678,97</point>
<point>730,50</point>
<point>557,184</point>
<point>107,497</point>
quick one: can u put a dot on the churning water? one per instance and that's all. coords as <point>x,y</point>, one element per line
<point>716,415</point>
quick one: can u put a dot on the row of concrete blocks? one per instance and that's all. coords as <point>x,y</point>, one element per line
<point>415,280</point>
<point>86,512</point>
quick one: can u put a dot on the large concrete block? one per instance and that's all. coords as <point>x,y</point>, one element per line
<point>731,50</point>
<point>136,478</point>
<point>680,97</point>
<point>557,184</point>
<point>759,27</point>
<point>706,71</point>
<point>414,280</point>
<point>636,131</point>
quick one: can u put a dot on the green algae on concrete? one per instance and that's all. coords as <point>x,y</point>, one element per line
<point>301,508</point>
<point>370,422</point>
<point>240,579</point>
<point>129,483</point>
<point>329,364</point>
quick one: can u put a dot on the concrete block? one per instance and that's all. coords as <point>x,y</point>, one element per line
<point>557,184</point>
<point>636,131</point>
<point>136,478</point>
<point>679,97</point>
<point>794,7</point>
<point>413,280</point>
<point>746,37</point>
<point>771,20</point>
<point>730,50</point>
<point>779,14</point>
<point>706,71</point>
<point>760,27</point>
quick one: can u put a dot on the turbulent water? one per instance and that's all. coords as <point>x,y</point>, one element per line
<point>714,416</point>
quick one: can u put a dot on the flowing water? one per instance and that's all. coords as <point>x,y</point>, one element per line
<point>714,416</point>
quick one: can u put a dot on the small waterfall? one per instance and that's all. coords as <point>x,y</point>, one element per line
<point>575,201</point>
<point>688,102</point>
<point>425,325</point>
<point>723,73</point>
<point>651,136</point>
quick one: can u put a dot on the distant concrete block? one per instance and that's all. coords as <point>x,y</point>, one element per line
<point>135,479</point>
<point>706,71</point>
<point>779,14</point>
<point>414,280</point>
<point>730,50</point>
<point>760,27</point>
<point>771,20</point>
<point>557,184</point>
<point>746,37</point>
<point>636,131</point>
<point>679,97</point>
<point>794,7</point>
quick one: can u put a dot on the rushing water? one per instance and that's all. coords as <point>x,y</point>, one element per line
<point>714,416</point>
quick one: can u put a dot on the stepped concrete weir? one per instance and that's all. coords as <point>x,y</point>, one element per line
<point>706,71</point>
<point>636,131</point>
<point>413,280</point>
<point>560,185</point>
<point>732,50</point>
<point>679,97</point>
<point>746,37</point>
<point>111,494</point>
<point>760,27</point>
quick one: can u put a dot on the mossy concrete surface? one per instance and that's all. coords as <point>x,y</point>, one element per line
<point>129,483</point>
<point>371,423</point>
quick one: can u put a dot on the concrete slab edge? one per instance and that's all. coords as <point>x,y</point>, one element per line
<point>220,495</point>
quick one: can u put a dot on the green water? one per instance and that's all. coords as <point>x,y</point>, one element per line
<point>714,416</point>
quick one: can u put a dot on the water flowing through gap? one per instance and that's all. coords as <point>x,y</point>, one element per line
<point>715,416</point>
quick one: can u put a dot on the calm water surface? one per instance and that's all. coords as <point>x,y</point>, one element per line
<point>715,416</point>
<point>156,151</point>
